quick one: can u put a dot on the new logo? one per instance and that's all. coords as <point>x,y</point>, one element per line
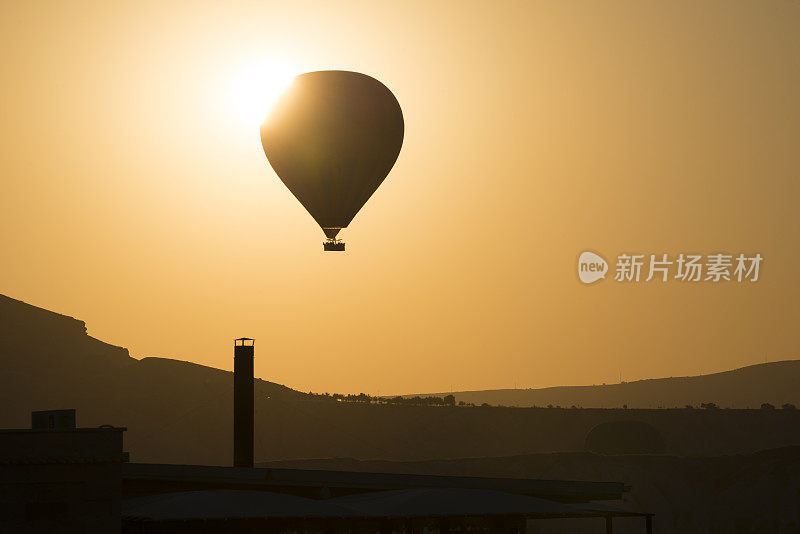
<point>591,267</point>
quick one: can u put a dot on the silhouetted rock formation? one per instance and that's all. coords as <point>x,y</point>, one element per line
<point>174,410</point>
<point>36,339</point>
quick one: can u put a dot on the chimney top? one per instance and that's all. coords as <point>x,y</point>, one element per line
<point>244,341</point>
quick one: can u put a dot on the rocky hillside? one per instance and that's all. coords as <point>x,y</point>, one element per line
<point>173,409</point>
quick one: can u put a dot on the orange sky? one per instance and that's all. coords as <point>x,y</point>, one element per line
<point>135,198</point>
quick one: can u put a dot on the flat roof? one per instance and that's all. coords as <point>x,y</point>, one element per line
<point>408,503</point>
<point>151,478</point>
<point>225,504</point>
<point>62,430</point>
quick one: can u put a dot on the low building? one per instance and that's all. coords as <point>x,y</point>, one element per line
<point>55,477</point>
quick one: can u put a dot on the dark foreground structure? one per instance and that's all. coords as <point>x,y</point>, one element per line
<point>243,396</point>
<point>56,477</point>
<point>198,499</point>
<point>67,479</point>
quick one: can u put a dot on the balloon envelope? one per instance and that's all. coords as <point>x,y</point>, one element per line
<point>332,138</point>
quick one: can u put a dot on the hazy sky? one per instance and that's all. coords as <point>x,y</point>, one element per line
<point>136,196</point>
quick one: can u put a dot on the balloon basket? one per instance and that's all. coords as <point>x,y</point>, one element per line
<point>333,244</point>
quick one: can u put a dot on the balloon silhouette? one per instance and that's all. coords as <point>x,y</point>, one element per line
<point>332,138</point>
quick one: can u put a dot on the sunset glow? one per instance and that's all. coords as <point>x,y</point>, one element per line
<point>257,87</point>
<point>137,193</point>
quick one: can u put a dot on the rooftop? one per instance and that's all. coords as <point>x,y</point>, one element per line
<point>142,479</point>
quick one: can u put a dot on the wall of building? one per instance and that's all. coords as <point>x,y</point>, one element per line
<point>61,481</point>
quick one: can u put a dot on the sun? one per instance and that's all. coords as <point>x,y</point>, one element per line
<point>258,86</point>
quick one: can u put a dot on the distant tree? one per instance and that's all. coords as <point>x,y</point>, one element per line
<point>461,403</point>
<point>485,405</point>
<point>549,405</point>
<point>709,406</point>
<point>624,406</point>
<point>689,407</point>
<point>767,406</point>
<point>573,407</point>
<point>789,406</point>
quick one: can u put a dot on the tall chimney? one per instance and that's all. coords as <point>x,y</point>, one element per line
<point>243,354</point>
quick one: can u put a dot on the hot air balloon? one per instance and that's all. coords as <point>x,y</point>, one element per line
<point>332,138</point>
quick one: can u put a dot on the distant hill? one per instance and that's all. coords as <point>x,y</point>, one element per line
<point>747,387</point>
<point>181,412</point>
